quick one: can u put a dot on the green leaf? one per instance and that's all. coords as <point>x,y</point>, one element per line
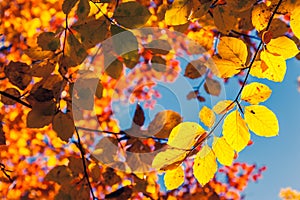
<point>131,14</point>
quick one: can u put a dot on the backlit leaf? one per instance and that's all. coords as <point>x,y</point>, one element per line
<point>159,47</point>
<point>239,5</point>
<point>92,31</point>
<point>224,19</point>
<point>195,69</point>
<point>83,9</point>
<point>163,123</point>
<point>295,21</point>
<point>223,106</point>
<point>184,135</point>
<point>207,116</point>
<point>76,50</point>
<point>115,69</point>
<point>63,125</point>
<point>68,5</point>
<point>199,9</point>
<point>212,86</point>
<point>13,92</point>
<point>169,159</point>
<point>18,73</point>
<point>36,119</point>
<point>205,165</point>
<point>178,12</point>
<point>235,131</point>
<point>42,69</point>
<point>283,46</point>
<point>260,16</point>
<point>232,58</point>
<point>174,178</point>
<point>273,66</point>
<point>48,41</point>
<point>60,174</point>
<point>131,14</point>
<point>255,93</point>
<point>261,120</point>
<point>223,151</point>
<point>38,54</point>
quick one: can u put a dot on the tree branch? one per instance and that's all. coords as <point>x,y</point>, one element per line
<point>15,99</point>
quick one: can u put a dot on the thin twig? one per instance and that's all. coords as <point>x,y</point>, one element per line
<point>83,162</point>
<point>15,99</point>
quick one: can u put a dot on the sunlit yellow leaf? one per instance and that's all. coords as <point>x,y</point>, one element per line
<point>233,49</point>
<point>232,58</point>
<point>205,165</point>
<point>174,178</point>
<point>169,159</point>
<point>261,120</point>
<point>273,67</point>
<point>255,93</point>
<point>223,151</point>
<point>207,116</point>
<point>235,131</point>
<point>223,106</point>
<point>295,21</point>
<point>224,68</point>
<point>283,46</point>
<point>260,16</point>
<point>178,12</point>
<point>184,135</point>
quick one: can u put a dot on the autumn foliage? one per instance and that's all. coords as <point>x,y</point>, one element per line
<point>57,70</point>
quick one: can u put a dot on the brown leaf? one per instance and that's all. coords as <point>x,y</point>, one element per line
<point>48,41</point>
<point>139,116</point>
<point>60,174</point>
<point>75,165</point>
<point>159,47</point>
<point>2,135</point>
<point>18,73</point>
<point>158,63</point>
<point>42,69</point>
<point>195,69</point>
<point>83,9</point>
<point>41,114</point>
<point>63,125</point>
<point>68,5</point>
<point>122,193</point>
<point>163,123</point>
<point>110,177</point>
<point>13,92</point>
<point>212,87</point>
<point>115,69</point>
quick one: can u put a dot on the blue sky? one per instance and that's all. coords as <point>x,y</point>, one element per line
<point>280,154</point>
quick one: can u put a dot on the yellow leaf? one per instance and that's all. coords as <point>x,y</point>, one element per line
<point>223,151</point>
<point>178,13</point>
<point>283,46</point>
<point>260,16</point>
<point>224,68</point>
<point>223,106</point>
<point>233,56</point>
<point>255,93</point>
<point>207,116</point>
<point>205,165</point>
<point>272,67</point>
<point>183,136</point>
<point>169,159</point>
<point>295,21</point>
<point>174,178</point>
<point>131,14</point>
<point>261,120</point>
<point>235,131</point>
<point>233,49</point>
